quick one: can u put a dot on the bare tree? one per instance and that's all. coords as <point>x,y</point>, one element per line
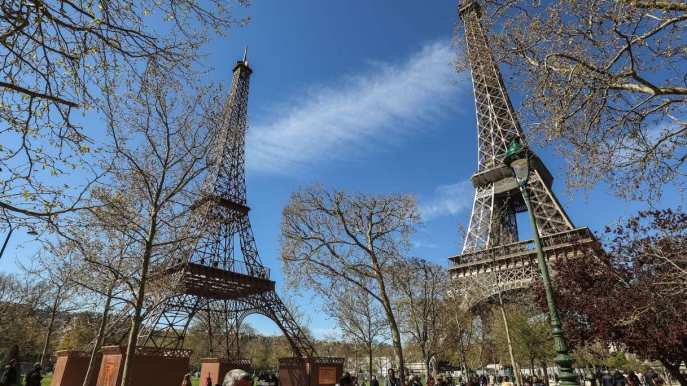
<point>606,81</point>
<point>56,54</point>
<point>331,239</point>
<point>360,317</point>
<point>422,287</point>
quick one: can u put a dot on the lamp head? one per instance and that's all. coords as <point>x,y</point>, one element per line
<point>514,151</point>
<point>516,157</point>
<point>521,168</point>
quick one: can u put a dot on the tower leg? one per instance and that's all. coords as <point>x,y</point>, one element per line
<point>270,305</point>
<point>548,212</point>
<point>167,327</point>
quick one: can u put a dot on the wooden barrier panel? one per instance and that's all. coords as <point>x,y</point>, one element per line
<point>150,367</point>
<point>217,368</point>
<point>310,371</point>
<point>293,372</point>
<point>70,368</point>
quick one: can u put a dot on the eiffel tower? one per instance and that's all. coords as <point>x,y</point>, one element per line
<point>494,260</point>
<point>220,277</point>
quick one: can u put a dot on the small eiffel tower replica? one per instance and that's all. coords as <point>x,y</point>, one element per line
<point>494,259</point>
<point>220,277</point>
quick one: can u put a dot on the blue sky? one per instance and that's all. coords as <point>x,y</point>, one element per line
<point>361,95</point>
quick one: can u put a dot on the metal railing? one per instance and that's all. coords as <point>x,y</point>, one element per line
<point>524,247</point>
<point>237,266</point>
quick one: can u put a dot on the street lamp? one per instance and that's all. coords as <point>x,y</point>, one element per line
<point>517,158</point>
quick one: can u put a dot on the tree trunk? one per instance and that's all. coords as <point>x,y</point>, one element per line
<point>546,373</point>
<point>211,340</point>
<point>238,338</point>
<point>425,358</point>
<point>395,338</point>
<point>386,303</point>
<point>674,371</point>
<point>369,363</point>
<point>100,337</point>
<point>398,349</point>
<point>510,345</point>
<point>51,325</point>
<point>133,333</point>
<point>138,309</point>
<point>463,357</point>
<point>227,338</point>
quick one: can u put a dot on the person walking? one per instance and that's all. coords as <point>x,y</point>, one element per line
<point>34,377</point>
<point>649,377</point>
<point>374,381</point>
<point>415,381</point>
<point>10,374</point>
<point>618,379</point>
<point>391,379</point>
<point>657,380</point>
<point>607,379</point>
<point>633,379</point>
<point>346,380</point>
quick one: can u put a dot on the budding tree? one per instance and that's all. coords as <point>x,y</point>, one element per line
<point>605,81</point>
<point>162,135</point>
<point>56,56</point>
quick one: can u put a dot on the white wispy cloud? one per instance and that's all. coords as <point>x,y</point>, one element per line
<point>425,244</point>
<point>382,105</point>
<point>448,200</point>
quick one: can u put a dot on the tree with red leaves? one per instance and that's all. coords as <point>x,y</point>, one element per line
<point>633,296</point>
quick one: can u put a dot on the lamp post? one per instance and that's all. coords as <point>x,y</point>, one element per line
<point>517,158</point>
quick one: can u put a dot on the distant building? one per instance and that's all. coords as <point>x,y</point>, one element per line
<point>381,365</point>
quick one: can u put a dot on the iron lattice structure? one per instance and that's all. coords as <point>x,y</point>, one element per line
<point>220,278</point>
<point>493,258</point>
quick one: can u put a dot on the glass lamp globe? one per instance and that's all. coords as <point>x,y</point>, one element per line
<point>521,168</point>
